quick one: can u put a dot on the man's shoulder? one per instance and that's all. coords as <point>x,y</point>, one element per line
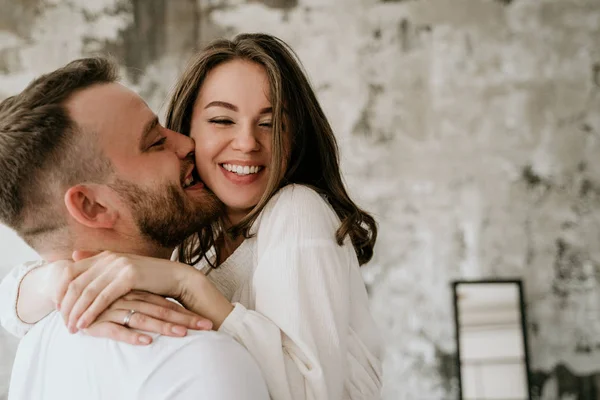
<point>211,363</point>
<point>51,331</point>
<point>209,341</point>
<point>201,362</point>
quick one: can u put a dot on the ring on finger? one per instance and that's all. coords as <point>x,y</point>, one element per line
<point>128,318</point>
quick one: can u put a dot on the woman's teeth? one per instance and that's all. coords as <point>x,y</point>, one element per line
<point>242,170</point>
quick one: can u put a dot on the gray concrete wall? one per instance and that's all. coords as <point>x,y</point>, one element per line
<point>471,128</point>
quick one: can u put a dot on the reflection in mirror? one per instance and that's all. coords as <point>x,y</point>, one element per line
<point>491,340</point>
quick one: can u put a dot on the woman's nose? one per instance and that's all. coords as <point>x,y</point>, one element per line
<point>246,141</point>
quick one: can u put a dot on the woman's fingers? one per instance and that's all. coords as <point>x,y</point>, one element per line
<point>141,321</point>
<point>93,292</point>
<point>115,280</point>
<point>136,295</point>
<point>100,302</point>
<point>71,272</point>
<point>114,331</point>
<point>75,288</point>
<point>98,281</point>
<point>144,322</point>
<point>166,314</point>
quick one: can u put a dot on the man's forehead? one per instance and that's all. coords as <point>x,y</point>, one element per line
<point>114,114</point>
<point>102,101</point>
<point>109,108</point>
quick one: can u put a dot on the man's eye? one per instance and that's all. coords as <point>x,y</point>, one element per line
<point>221,121</point>
<point>159,142</point>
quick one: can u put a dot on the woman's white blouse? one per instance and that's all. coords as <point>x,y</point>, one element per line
<point>301,307</point>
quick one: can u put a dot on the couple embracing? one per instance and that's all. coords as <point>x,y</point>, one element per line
<point>235,209</point>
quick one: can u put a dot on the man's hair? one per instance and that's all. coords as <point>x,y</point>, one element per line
<point>43,151</point>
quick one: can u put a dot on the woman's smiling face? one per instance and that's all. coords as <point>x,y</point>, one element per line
<point>232,128</point>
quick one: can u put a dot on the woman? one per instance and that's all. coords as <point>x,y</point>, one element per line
<point>288,250</point>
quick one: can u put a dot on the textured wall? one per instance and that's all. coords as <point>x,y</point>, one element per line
<point>469,127</point>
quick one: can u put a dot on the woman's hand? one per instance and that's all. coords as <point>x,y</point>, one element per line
<point>89,286</point>
<point>153,314</point>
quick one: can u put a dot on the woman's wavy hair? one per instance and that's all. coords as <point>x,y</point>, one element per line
<point>313,151</point>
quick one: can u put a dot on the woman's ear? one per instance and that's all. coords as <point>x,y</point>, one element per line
<point>90,205</point>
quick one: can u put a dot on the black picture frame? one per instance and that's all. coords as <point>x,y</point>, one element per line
<point>519,284</point>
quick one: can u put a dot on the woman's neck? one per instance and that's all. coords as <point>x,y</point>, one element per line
<point>234,217</point>
<point>226,245</point>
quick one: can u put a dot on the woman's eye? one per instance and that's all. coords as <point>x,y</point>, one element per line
<point>266,124</point>
<point>159,142</point>
<point>221,121</point>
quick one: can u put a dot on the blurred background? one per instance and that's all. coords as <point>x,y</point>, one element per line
<point>470,128</point>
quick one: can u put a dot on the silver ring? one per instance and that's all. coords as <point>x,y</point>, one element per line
<point>128,318</point>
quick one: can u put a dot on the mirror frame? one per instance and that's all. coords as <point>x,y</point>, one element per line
<point>519,283</point>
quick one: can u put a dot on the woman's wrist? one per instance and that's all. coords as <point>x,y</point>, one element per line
<point>202,297</point>
<point>183,274</point>
<point>34,302</point>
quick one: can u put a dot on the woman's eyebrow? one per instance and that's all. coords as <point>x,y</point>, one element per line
<point>223,104</point>
<point>232,107</point>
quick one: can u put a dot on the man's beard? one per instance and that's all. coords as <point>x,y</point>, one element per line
<point>166,215</point>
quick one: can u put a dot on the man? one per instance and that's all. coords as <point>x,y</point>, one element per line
<point>86,165</point>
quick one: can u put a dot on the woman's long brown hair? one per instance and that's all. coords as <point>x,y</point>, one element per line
<point>313,151</point>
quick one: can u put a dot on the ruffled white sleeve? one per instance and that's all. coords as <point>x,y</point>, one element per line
<point>9,294</point>
<point>298,329</point>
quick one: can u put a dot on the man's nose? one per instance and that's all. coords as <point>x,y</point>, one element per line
<point>182,145</point>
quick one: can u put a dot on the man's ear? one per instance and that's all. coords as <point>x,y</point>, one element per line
<point>90,205</point>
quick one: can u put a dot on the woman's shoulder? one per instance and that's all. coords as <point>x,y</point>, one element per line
<point>298,200</point>
<point>297,192</point>
<point>299,208</point>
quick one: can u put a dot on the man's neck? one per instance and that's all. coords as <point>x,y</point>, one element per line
<point>56,255</point>
<point>98,243</point>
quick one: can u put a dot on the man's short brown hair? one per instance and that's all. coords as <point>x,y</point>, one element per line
<point>43,151</point>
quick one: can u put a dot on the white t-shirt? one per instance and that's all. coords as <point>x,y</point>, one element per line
<point>51,364</point>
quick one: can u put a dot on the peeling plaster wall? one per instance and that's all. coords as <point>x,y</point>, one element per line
<point>469,127</point>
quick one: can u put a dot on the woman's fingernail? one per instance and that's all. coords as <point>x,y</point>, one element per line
<point>80,324</point>
<point>179,330</point>
<point>204,324</point>
<point>144,339</point>
<point>58,307</point>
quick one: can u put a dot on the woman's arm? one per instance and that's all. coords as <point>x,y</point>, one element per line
<point>22,302</point>
<point>298,329</point>
<point>31,291</point>
<point>37,297</point>
<point>103,278</point>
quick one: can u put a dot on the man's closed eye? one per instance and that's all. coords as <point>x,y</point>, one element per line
<point>158,143</point>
